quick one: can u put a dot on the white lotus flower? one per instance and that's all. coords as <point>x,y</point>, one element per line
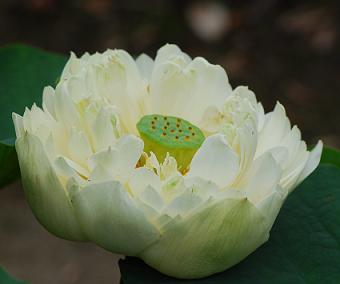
<point>159,159</point>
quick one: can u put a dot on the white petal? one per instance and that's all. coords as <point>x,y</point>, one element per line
<point>48,103</point>
<point>213,239</point>
<point>246,142</point>
<point>118,81</point>
<point>100,174</point>
<point>65,109</point>
<point>173,187</point>
<point>77,88</point>
<point>183,204</point>
<point>271,205</point>
<point>292,143</point>
<point>260,117</point>
<point>18,125</point>
<point>130,148</point>
<point>121,160</point>
<point>212,83</point>
<point>291,173</point>
<point>111,219</point>
<point>72,67</point>
<point>44,192</point>
<point>79,147</point>
<point>277,125</point>
<point>168,168</point>
<point>145,66</point>
<point>263,178</point>
<point>68,168</point>
<point>152,163</point>
<point>244,92</point>
<point>103,130</point>
<point>170,90</point>
<point>151,197</point>
<point>37,122</point>
<point>312,163</point>
<point>280,154</point>
<point>212,119</point>
<point>215,161</point>
<point>150,213</point>
<point>171,52</point>
<point>143,177</point>
<point>187,91</point>
<point>203,188</point>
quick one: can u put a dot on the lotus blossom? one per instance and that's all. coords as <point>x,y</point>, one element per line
<point>159,159</point>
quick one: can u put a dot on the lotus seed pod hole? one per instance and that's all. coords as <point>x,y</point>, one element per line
<point>169,134</point>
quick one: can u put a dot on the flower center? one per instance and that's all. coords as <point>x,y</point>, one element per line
<point>169,134</point>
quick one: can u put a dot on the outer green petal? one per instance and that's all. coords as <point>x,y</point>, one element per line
<point>112,220</point>
<point>44,192</point>
<point>217,237</point>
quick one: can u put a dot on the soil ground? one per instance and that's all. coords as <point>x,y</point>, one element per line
<point>29,252</point>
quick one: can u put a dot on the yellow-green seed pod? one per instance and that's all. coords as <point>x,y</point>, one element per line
<point>169,134</point>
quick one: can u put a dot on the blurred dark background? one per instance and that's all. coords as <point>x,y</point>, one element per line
<point>283,50</point>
